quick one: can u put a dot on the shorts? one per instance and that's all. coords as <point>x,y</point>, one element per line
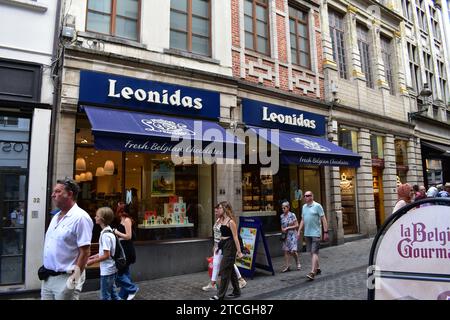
<point>313,244</point>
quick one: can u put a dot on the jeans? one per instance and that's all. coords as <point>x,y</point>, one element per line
<point>108,287</point>
<point>126,284</point>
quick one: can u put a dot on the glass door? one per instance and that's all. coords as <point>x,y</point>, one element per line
<point>14,150</point>
<point>12,226</point>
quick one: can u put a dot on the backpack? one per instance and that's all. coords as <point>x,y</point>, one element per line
<point>119,255</point>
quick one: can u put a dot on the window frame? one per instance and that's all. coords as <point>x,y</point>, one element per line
<point>189,31</point>
<point>254,31</point>
<point>429,74</point>
<point>406,6</point>
<point>414,67</point>
<point>112,24</point>
<point>385,44</point>
<point>364,53</point>
<point>337,36</point>
<point>443,80</point>
<point>298,50</point>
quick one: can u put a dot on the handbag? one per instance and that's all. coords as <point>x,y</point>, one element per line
<point>283,236</point>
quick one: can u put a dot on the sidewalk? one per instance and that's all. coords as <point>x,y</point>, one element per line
<point>333,261</point>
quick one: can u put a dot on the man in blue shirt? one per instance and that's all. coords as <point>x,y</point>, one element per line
<point>313,218</point>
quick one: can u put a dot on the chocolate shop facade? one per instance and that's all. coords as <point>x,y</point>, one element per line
<point>114,137</point>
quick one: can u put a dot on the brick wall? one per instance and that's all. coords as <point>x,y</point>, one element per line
<point>276,71</point>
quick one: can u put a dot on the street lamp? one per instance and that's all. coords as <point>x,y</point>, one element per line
<point>425,93</point>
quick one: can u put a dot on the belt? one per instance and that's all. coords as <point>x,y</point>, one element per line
<point>55,273</point>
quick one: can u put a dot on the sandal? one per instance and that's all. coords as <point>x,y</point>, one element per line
<point>311,275</point>
<point>286,269</point>
<point>299,267</point>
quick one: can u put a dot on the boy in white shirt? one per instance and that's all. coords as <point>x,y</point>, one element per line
<point>107,245</point>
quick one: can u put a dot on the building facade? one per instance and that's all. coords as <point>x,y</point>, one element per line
<point>155,62</point>
<point>334,82</point>
<point>425,43</point>
<point>27,60</point>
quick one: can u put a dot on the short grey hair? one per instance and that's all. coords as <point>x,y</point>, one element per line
<point>286,204</point>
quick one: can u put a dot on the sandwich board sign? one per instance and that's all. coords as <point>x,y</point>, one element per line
<point>410,255</point>
<point>254,240</point>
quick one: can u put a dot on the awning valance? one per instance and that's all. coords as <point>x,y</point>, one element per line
<point>438,148</point>
<point>303,149</point>
<point>153,133</point>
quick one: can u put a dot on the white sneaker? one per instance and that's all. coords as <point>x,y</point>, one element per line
<point>242,283</point>
<point>209,287</point>
<point>132,295</point>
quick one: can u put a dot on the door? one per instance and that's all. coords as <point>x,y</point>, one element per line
<point>12,225</point>
<point>377,175</point>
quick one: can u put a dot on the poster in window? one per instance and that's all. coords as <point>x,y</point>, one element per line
<point>163,179</point>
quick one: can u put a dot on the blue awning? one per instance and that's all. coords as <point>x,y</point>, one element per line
<point>153,133</point>
<point>303,149</point>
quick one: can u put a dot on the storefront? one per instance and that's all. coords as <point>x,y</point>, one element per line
<point>158,147</point>
<point>435,162</point>
<point>24,141</point>
<point>303,154</point>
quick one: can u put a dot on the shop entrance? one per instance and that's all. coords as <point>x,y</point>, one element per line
<point>377,175</point>
<point>12,235</point>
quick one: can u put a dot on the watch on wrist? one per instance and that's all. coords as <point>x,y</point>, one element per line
<point>325,232</point>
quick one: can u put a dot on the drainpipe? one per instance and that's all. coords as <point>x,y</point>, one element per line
<point>56,94</point>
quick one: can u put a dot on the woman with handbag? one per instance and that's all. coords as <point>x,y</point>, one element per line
<point>126,236</point>
<point>217,254</point>
<point>229,244</point>
<point>289,225</point>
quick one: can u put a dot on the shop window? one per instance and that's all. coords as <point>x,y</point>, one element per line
<point>348,139</point>
<point>376,147</point>
<point>118,18</point>
<point>348,200</point>
<point>401,158</point>
<point>14,153</point>
<point>190,24</point>
<point>263,192</point>
<point>165,201</point>
<point>434,172</point>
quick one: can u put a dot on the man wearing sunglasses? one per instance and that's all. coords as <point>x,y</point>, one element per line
<point>67,245</point>
<point>313,218</point>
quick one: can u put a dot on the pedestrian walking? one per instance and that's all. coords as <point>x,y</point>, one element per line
<point>67,245</point>
<point>124,231</point>
<point>229,244</point>
<point>289,225</point>
<point>405,195</point>
<point>217,254</point>
<point>107,247</point>
<point>313,219</point>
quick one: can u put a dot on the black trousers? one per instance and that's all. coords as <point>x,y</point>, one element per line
<point>226,271</point>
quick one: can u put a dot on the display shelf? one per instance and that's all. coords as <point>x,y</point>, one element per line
<point>162,226</point>
<point>257,192</point>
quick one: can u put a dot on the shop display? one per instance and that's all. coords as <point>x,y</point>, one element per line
<point>257,191</point>
<point>174,215</point>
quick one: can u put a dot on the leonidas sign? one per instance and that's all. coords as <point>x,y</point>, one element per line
<point>105,89</point>
<point>413,256</point>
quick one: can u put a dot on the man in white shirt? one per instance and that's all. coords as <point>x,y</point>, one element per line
<point>67,245</point>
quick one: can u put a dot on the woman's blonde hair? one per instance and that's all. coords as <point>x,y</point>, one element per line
<point>106,214</point>
<point>227,209</point>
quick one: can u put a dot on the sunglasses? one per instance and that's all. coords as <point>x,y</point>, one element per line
<point>308,195</point>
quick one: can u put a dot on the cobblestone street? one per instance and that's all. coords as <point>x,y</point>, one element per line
<point>343,278</point>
